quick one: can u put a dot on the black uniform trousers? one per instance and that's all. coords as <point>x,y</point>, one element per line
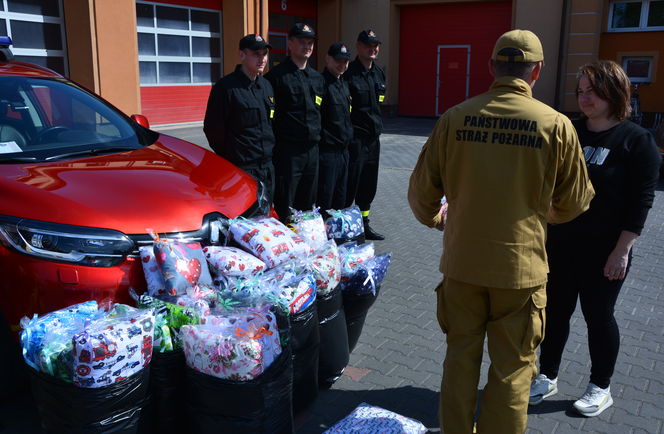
<point>363,160</point>
<point>264,174</point>
<point>296,179</point>
<point>576,270</point>
<point>332,180</point>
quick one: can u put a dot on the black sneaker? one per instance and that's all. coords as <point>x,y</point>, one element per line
<point>369,233</point>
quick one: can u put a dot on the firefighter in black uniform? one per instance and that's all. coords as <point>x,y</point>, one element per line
<point>366,82</point>
<point>298,91</point>
<point>238,119</point>
<point>336,131</point>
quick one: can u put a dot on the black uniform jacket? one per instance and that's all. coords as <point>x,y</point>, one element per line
<point>367,88</point>
<point>238,120</point>
<point>337,128</point>
<point>298,94</point>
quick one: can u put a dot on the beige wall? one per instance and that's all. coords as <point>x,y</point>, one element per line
<point>240,18</point>
<point>367,14</point>
<point>328,29</point>
<point>543,18</point>
<point>103,49</point>
<point>585,28</point>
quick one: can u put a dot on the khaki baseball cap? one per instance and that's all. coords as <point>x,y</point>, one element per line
<point>523,40</point>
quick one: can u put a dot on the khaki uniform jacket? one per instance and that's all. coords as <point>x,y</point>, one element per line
<point>506,163</point>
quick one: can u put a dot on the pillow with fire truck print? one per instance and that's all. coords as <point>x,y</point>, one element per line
<point>268,239</point>
<point>112,348</point>
<point>230,261</point>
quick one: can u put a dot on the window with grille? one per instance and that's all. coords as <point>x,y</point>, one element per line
<point>37,30</point>
<point>178,45</point>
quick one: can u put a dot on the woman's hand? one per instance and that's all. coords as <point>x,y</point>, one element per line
<point>616,264</point>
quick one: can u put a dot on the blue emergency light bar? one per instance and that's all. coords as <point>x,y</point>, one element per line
<point>5,52</point>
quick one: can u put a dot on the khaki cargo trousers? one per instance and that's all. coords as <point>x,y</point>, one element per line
<point>513,321</point>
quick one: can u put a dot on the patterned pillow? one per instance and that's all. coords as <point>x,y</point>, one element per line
<point>153,276</point>
<point>182,265</point>
<point>269,239</point>
<point>344,223</point>
<point>231,261</point>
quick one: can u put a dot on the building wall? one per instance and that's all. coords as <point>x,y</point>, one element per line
<point>103,49</point>
<point>545,19</point>
<point>615,46</point>
<point>357,15</point>
<point>585,33</point>
<point>240,18</point>
<point>329,29</point>
<point>444,53</point>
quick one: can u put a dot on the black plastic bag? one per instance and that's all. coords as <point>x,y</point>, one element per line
<point>334,351</point>
<point>356,308</point>
<point>123,407</point>
<point>169,386</point>
<point>261,405</point>
<point>305,337</point>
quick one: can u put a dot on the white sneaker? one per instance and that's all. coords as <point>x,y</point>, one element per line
<point>594,401</point>
<point>541,387</point>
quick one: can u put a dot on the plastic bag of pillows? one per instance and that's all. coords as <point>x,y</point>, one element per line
<point>345,223</point>
<point>268,239</point>
<point>351,257</point>
<point>182,264</point>
<point>231,261</point>
<point>48,337</point>
<point>370,418</point>
<point>325,267</point>
<point>112,348</point>
<point>369,275</point>
<point>309,226</point>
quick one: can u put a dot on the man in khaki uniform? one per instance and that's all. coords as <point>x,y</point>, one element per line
<point>505,162</point>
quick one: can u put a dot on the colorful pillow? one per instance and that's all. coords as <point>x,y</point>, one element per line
<point>182,265</point>
<point>345,223</point>
<point>268,239</point>
<point>175,316</point>
<point>370,418</point>
<point>112,349</point>
<point>309,226</point>
<point>217,352</point>
<point>39,331</point>
<point>369,275</point>
<point>230,261</point>
<point>153,275</point>
<point>325,265</point>
<point>298,293</point>
<point>351,258</point>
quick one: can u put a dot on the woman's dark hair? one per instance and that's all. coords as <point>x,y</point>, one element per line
<point>609,82</point>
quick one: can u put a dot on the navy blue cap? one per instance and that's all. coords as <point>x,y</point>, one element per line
<point>338,51</point>
<point>254,43</point>
<point>367,36</point>
<point>301,30</point>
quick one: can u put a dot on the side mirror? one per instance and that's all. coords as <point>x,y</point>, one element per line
<point>141,120</point>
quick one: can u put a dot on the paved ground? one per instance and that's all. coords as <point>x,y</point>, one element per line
<point>397,363</point>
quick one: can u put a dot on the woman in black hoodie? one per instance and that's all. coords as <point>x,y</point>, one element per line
<point>590,256</point>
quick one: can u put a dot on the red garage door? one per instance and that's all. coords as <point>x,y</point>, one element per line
<point>444,50</point>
